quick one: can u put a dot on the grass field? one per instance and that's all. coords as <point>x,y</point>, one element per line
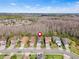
<point>1,56</point>
<point>73,48</point>
<point>19,56</point>
<point>54,57</point>
<point>14,57</point>
<point>32,56</point>
<point>18,44</point>
<point>8,44</point>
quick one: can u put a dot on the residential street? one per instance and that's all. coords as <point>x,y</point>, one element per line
<point>48,51</point>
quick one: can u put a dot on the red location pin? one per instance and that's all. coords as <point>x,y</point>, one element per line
<point>39,34</point>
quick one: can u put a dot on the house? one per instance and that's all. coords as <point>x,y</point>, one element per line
<point>32,41</point>
<point>13,42</point>
<point>2,44</point>
<point>66,43</point>
<point>39,43</point>
<point>24,40</point>
<point>47,41</point>
<point>57,40</point>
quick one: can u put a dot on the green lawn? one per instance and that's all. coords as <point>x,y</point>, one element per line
<point>53,45</point>
<point>18,44</point>
<point>42,42</point>
<point>54,57</point>
<point>35,42</point>
<point>19,56</point>
<point>8,44</point>
<point>1,56</point>
<point>32,56</point>
<point>73,48</point>
<point>26,45</point>
<point>14,57</point>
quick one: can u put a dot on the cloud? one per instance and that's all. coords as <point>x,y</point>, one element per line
<point>49,9</point>
<point>13,4</point>
<point>76,3</point>
<point>27,6</point>
<point>42,9</point>
<point>37,5</point>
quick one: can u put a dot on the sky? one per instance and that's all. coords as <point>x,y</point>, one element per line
<point>39,6</point>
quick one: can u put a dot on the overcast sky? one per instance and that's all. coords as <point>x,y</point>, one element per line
<point>39,6</point>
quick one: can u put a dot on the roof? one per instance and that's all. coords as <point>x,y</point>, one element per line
<point>13,41</point>
<point>55,38</point>
<point>32,40</point>
<point>24,39</point>
<point>14,38</point>
<point>65,40</point>
<point>47,39</point>
<point>2,39</point>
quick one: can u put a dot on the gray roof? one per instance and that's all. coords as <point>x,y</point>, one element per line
<point>14,38</point>
<point>2,39</point>
<point>55,38</point>
<point>65,40</point>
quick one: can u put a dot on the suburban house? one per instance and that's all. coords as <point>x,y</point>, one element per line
<point>13,42</point>
<point>47,41</point>
<point>32,41</point>
<point>24,40</point>
<point>66,43</point>
<point>39,42</point>
<point>2,44</point>
<point>57,40</point>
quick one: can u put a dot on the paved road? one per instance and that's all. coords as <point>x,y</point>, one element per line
<point>49,51</point>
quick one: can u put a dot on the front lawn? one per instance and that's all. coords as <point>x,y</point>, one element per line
<point>18,44</point>
<point>53,45</point>
<point>2,56</point>
<point>43,42</point>
<point>32,56</point>
<point>26,45</point>
<point>8,44</point>
<point>19,56</point>
<point>73,47</point>
<point>54,57</point>
<point>14,57</point>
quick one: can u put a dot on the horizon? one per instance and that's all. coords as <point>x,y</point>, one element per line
<point>33,13</point>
